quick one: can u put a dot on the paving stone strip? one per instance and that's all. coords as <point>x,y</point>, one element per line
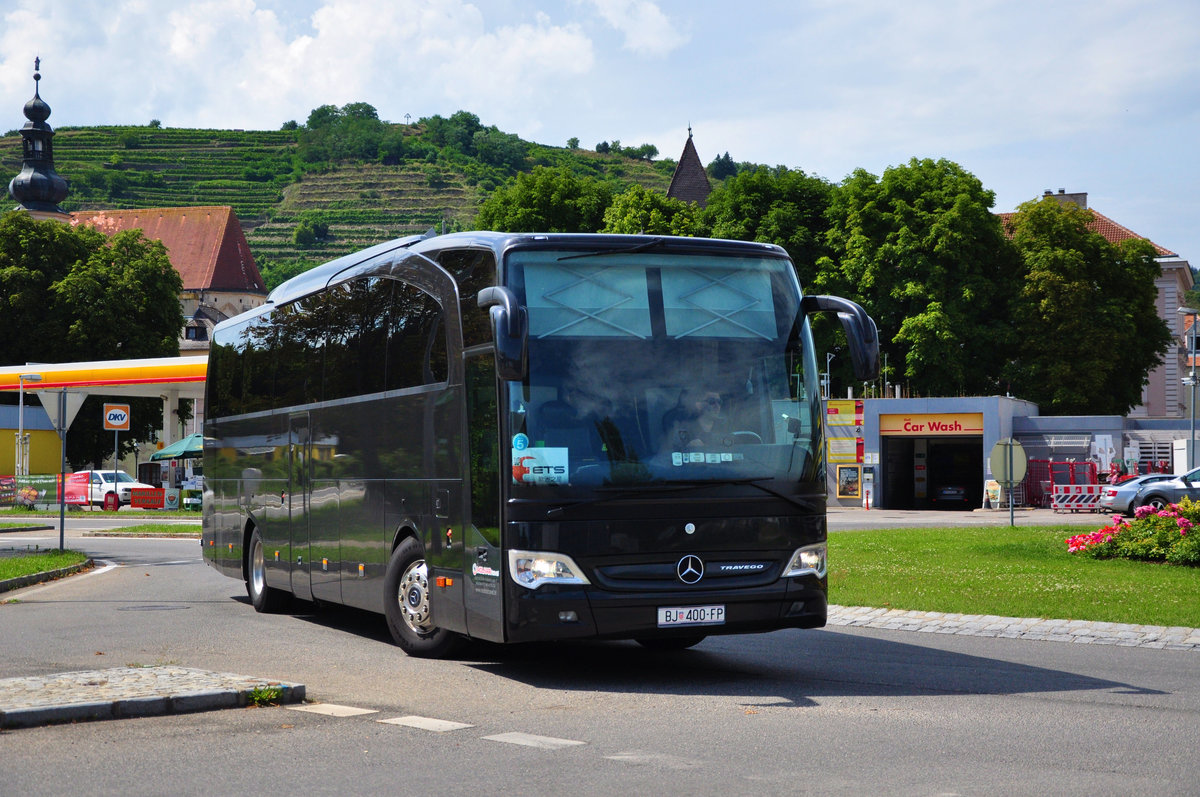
<point>128,692</point>
<point>1076,631</point>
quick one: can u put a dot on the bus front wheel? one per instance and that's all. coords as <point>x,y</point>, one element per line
<point>406,605</point>
<point>262,597</point>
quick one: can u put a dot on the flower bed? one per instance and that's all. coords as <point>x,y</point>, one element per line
<point>1167,535</point>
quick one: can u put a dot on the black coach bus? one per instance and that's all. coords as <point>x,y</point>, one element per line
<point>519,437</point>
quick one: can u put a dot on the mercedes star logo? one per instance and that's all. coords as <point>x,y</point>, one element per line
<point>690,569</point>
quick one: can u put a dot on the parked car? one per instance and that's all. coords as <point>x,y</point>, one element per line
<point>1121,497</point>
<point>101,483</point>
<point>1171,491</point>
<point>950,496</point>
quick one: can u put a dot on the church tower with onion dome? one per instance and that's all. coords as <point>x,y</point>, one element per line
<point>38,189</point>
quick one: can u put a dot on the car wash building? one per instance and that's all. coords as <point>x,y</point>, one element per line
<point>929,453</point>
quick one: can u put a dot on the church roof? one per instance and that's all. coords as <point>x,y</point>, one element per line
<point>690,182</point>
<point>205,244</point>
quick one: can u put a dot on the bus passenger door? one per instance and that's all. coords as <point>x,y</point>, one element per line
<point>299,501</point>
<point>483,563</point>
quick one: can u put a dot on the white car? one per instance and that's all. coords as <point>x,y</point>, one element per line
<point>101,483</point>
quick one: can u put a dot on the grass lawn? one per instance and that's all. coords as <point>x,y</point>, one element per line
<point>1012,572</point>
<point>155,529</point>
<point>41,562</point>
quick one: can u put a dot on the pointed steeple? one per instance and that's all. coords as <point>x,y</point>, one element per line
<point>690,182</point>
<point>38,189</point>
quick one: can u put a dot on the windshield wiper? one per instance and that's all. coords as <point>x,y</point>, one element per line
<point>621,493</point>
<point>642,247</point>
<point>682,486</point>
<point>753,481</point>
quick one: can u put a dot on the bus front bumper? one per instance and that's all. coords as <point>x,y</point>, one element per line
<point>585,611</point>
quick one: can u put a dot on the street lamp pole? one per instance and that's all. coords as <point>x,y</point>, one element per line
<point>21,466</point>
<point>1192,378</point>
<point>1191,382</point>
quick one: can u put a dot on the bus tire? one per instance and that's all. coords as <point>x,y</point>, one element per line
<point>262,597</point>
<point>406,605</point>
<point>670,642</point>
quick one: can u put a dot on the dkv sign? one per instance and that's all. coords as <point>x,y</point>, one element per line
<point>116,417</point>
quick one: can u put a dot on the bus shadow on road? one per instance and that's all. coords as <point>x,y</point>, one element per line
<point>788,668</point>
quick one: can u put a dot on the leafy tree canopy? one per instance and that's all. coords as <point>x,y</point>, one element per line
<point>921,250</point>
<point>546,200</point>
<point>780,206</point>
<point>1089,330</point>
<point>73,294</point>
<point>640,210</point>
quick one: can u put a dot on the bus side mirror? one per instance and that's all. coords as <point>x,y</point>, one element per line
<point>510,330</point>
<point>861,333</point>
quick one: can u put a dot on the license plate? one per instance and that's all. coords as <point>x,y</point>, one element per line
<point>676,616</point>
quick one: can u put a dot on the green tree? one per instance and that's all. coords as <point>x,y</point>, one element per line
<point>546,200</point>
<point>780,206</point>
<point>499,149</point>
<point>1087,314</point>
<point>722,167</point>
<point>640,210</point>
<point>922,252</point>
<point>72,294</point>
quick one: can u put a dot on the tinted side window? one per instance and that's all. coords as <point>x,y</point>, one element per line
<point>416,347</point>
<point>356,316</point>
<point>473,270</point>
<point>256,342</point>
<point>299,339</point>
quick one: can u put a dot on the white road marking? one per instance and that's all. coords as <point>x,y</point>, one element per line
<point>529,740</point>
<point>332,709</point>
<point>427,724</point>
<point>106,566</point>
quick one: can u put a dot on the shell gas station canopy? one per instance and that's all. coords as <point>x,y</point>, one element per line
<point>169,378</point>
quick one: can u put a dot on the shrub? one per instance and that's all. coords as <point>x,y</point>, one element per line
<point>1168,535</point>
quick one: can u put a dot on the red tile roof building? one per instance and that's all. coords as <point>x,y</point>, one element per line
<point>208,249</point>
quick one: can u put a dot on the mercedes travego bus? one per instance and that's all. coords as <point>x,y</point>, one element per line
<point>518,437</point>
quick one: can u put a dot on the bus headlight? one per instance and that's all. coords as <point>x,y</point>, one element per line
<point>532,569</point>
<point>807,561</point>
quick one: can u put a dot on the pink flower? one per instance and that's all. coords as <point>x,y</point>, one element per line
<point>1143,512</point>
<point>1184,525</point>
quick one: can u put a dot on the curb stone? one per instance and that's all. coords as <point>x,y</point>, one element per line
<point>1080,632</point>
<point>124,692</point>
<point>50,575</point>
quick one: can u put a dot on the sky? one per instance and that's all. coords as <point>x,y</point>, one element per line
<point>1101,97</point>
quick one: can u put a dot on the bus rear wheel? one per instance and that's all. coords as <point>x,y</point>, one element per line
<point>262,597</point>
<point>406,605</point>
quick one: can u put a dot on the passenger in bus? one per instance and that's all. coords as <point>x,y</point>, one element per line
<point>696,423</point>
<point>711,427</point>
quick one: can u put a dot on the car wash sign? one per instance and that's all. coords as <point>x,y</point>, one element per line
<point>116,417</point>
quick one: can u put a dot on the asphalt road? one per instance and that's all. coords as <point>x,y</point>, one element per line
<point>846,711</point>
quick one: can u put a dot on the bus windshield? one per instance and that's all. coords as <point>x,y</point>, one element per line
<point>660,367</point>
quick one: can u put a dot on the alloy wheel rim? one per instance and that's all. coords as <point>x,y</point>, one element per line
<point>413,597</point>
<point>257,569</point>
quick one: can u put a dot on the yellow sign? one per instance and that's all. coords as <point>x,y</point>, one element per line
<point>931,425</point>
<point>844,412</point>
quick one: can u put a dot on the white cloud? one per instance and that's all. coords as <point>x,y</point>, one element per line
<point>647,30</point>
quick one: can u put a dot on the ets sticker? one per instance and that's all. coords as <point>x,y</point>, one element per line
<point>540,465</point>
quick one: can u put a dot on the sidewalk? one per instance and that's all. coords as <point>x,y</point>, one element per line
<point>129,692</point>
